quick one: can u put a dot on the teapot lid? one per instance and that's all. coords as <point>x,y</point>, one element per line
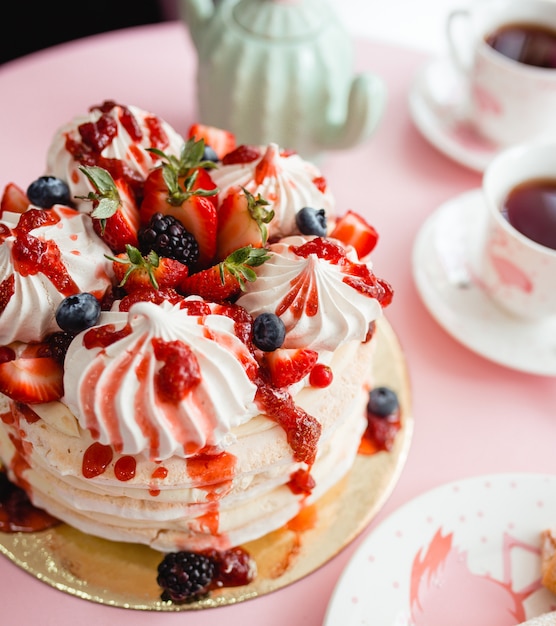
<point>281,19</point>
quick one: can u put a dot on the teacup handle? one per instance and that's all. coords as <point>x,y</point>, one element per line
<point>459,38</point>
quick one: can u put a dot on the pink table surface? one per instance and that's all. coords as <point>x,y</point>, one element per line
<point>472,417</point>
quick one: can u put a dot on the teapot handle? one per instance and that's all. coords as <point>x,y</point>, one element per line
<point>365,108</point>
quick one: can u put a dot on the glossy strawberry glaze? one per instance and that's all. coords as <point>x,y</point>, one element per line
<point>6,291</point>
<point>96,459</point>
<point>125,467</point>
<point>32,255</point>
<point>17,514</point>
<point>96,136</point>
<point>358,276</point>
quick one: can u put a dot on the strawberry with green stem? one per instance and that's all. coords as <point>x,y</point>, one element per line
<point>135,271</point>
<point>226,279</point>
<point>115,214</point>
<point>184,189</point>
<point>242,221</point>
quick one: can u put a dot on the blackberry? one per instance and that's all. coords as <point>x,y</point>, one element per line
<point>168,237</point>
<point>47,191</point>
<point>185,576</point>
<point>383,402</point>
<point>58,344</point>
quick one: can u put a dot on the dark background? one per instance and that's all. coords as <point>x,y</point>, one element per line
<point>34,26</point>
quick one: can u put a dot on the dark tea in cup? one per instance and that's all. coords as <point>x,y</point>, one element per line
<point>531,44</point>
<point>530,208</point>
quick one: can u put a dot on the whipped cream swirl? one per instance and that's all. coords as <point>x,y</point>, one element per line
<point>320,310</point>
<point>29,295</point>
<point>134,130</point>
<point>285,180</point>
<point>113,390</point>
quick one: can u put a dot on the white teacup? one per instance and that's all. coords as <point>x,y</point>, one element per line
<point>508,101</point>
<point>518,273</point>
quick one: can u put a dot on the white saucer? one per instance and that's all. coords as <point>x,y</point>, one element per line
<point>436,104</point>
<point>443,255</point>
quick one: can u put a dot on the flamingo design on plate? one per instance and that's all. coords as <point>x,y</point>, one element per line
<point>443,587</point>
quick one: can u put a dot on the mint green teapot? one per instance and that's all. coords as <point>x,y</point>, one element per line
<point>281,71</point>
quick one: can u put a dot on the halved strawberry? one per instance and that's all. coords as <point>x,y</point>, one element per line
<point>135,271</point>
<point>31,379</point>
<point>115,213</point>
<point>352,229</point>
<point>149,294</point>
<point>13,199</point>
<point>183,188</point>
<point>242,154</point>
<point>189,171</point>
<point>227,278</point>
<point>289,365</point>
<point>242,221</point>
<point>190,206</point>
<point>220,140</point>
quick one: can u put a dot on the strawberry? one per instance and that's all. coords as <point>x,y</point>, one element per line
<point>242,221</point>
<point>352,229</point>
<point>31,379</point>
<point>134,271</point>
<point>242,154</point>
<point>190,164</point>
<point>115,213</point>
<point>289,365</point>
<point>149,294</point>
<point>184,189</point>
<point>220,140</point>
<point>227,278</point>
<point>13,199</point>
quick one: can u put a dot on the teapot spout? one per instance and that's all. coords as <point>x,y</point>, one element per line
<point>196,14</point>
<point>366,105</point>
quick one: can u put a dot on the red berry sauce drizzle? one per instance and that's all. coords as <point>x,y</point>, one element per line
<point>233,566</point>
<point>96,136</point>
<point>17,513</point>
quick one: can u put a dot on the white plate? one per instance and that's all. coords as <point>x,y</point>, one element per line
<point>443,259</point>
<point>463,554</point>
<point>436,104</point>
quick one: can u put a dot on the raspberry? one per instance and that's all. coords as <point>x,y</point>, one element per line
<point>168,237</point>
<point>185,576</point>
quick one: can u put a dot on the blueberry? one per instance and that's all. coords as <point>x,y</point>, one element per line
<point>47,191</point>
<point>311,221</point>
<point>269,332</point>
<point>209,154</point>
<point>383,402</point>
<point>78,312</point>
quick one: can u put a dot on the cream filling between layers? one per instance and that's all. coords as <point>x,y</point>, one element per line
<point>184,514</point>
